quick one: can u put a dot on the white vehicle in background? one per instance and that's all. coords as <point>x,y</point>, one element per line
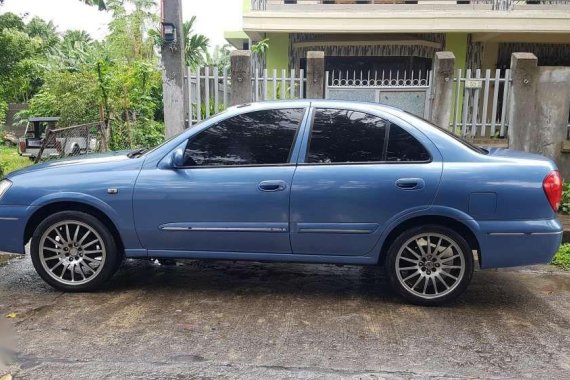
<point>35,135</point>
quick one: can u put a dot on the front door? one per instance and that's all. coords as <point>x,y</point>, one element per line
<point>232,195</point>
<point>360,171</point>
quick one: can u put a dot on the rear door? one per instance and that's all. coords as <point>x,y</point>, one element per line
<point>357,172</point>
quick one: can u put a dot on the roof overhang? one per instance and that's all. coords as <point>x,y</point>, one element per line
<point>236,38</point>
<point>402,20</point>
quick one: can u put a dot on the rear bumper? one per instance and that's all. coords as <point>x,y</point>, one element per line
<point>520,242</point>
<point>13,221</point>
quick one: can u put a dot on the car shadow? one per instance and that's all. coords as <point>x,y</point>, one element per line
<point>488,289</point>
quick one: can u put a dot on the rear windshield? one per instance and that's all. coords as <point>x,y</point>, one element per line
<point>475,148</point>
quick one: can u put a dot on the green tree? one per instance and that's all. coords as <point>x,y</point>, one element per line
<point>45,31</point>
<point>195,45</point>
<point>10,20</point>
<point>116,80</point>
<point>19,71</point>
<point>128,39</point>
<point>219,57</point>
<point>73,96</point>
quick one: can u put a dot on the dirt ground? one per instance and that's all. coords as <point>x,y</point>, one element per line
<point>257,321</point>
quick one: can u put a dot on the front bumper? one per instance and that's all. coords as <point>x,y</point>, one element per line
<point>519,242</point>
<point>13,220</point>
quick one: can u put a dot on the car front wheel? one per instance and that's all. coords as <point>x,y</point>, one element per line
<point>429,265</point>
<point>74,251</point>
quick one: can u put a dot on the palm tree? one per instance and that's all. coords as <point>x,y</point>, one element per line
<point>195,45</point>
<point>45,31</point>
<point>37,27</point>
<point>72,37</point>
<point>76,49</point>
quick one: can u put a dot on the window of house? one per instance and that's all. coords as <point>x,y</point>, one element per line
<point>346,136</point>
<point>255,138</point>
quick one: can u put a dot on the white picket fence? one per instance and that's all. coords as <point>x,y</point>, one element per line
<point>480,106</point>
<point>283,84</point>
<point>210,89</point>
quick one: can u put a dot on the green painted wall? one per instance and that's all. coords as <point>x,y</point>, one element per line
<point>278,51</point>
<point>457,43</point>
<point>246,5</point>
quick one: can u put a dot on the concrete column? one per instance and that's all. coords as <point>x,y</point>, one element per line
<point>175,97</point>
<point>442,88</point>
<point>241,77</point>
<point>553,107</point>
<point>523,130</point>
<point>315,75</point>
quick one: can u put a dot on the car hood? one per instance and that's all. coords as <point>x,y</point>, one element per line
<point>90,159</point>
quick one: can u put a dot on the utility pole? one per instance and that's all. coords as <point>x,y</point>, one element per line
<point>174,68</point>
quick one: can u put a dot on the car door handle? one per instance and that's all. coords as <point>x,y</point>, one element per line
<point>272,185</point>
<point>410,183</point>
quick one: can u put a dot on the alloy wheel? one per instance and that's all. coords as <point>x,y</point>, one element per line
<point>430,265</point>
<point>72,252</point>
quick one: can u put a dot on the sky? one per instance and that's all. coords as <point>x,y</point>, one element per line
<point>213,17</point>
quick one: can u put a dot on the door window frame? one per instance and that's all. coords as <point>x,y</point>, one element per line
<point>304,154</point>
<point>293,152</point>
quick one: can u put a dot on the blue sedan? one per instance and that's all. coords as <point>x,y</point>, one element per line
<point>295,181</point>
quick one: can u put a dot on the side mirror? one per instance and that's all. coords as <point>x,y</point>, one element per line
<point>177,158</point>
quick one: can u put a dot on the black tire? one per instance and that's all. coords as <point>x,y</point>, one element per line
<point>105,242</point>
<point>430,271</point>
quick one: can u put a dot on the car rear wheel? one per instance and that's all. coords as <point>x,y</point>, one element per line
<point>429,265</point>
<point>74,251</point>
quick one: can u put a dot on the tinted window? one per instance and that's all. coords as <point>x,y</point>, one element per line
<point>346,136</point>
<point>255,138</point>
<point>404,147</point>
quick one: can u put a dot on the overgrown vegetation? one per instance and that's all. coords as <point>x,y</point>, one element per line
<point>116,80</point>
<point>562,257</point>
<point>10,160</point>
<point>564,207</point>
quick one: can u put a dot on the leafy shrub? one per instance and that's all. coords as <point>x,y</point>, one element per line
<point>3,111</point>
<point>562,257</point>
<point>149,134</point>
<point>565,202</point>
<point>69,95</point>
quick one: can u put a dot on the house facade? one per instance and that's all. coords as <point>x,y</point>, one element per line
<point>403,35</point>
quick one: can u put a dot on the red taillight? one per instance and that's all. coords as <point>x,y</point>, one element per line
<point>552,186</point>
<point>23,146</point>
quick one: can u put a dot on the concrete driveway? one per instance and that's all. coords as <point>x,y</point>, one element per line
<point>258,321</point>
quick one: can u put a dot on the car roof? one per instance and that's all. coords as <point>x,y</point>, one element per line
<point>32,119</point>
<point>317,102</point>
<point>363,106</point>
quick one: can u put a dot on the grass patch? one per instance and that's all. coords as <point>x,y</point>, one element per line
<point>562,257</point>
<point>10,160</point>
